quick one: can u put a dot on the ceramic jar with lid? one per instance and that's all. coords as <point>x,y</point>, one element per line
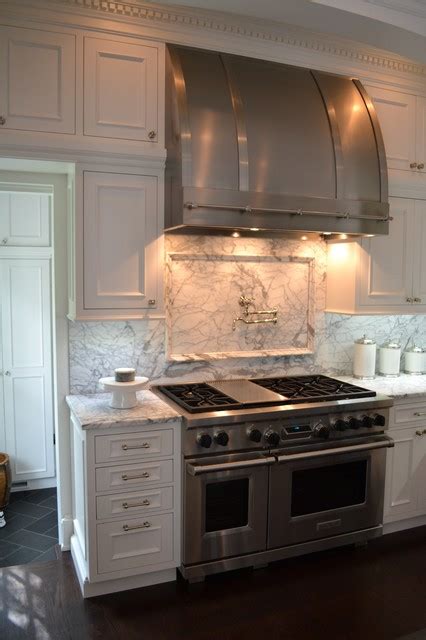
<point>414,361</point>
<point>364,365</point>
<point>390,359</point>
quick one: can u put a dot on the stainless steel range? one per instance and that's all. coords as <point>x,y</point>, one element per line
<point>277,467</point>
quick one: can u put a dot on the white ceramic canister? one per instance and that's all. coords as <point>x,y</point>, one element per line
<point>364,365</point>
<point>414,361</point>
<point>390,359</point>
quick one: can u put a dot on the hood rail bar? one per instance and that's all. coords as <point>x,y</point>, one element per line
<point>296,212</point>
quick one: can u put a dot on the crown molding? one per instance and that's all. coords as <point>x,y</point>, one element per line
<point>412,7</point>
<point>224,25</point>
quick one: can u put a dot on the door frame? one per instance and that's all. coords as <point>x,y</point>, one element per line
<point>57,176</point>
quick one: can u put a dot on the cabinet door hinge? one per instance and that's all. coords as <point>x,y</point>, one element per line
<point>54,439</point>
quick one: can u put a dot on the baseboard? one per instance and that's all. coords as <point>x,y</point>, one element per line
<point>401,525</point>
<point>30,485</point>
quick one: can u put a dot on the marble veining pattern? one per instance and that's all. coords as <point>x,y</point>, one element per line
<point>96,348</point>
<point>405,386</point>
<point>203,293</point>
<point>94,412</point>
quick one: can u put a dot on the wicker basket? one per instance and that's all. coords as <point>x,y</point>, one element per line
<point>5,484</point>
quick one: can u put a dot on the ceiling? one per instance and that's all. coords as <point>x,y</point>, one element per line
<point>394,25</point>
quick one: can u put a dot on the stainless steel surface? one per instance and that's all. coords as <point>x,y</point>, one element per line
<point>196,470</point>
<point>386,443</point>
<point>197,571</point>
<point>245,391</point>
<point>270,140</point>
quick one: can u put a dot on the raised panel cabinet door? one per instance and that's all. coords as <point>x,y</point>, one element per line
<point>27,367</point>
<point>397,116</point>
<point>24,219</point>
<point>386,262</point>
<point>120,90</point>
<point>420,470</point>
<point>120,248</point>
<point>401,481</point>
<point>37,76</point>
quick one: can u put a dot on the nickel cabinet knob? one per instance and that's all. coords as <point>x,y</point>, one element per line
<point>421,165</point>
<point>418,300</point>
<point>410,300</point>
<point>152,135</point>
<point>413,165</point>
<point>2,120</point>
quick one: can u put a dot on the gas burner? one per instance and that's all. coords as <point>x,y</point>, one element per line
<point>313,388</point>
<point>198,397</point>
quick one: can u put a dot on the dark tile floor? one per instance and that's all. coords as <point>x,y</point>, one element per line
<point>31,530</point>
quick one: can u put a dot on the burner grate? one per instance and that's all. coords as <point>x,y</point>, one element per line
<point>198,397</point>
<point>314,388</point>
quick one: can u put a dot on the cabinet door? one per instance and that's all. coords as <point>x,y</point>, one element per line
<point>120,249</point>
<point>419,269</point>
<point>421,134</point>
<point>37,75</point>
<point>397,116</point>
<point>386,262</point>
<point>120,90</point>
<point>403,464</point>
<point>27,367</point>
<point>24,219</point>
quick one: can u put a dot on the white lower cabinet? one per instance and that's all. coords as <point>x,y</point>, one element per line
<point>126,516</point>
<point>405,492</point>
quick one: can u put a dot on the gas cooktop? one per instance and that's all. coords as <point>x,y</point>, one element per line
<point>240,394</point>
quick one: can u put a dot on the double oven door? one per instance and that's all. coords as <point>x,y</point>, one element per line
<point>247,503</point>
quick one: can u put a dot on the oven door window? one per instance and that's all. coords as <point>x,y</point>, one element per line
<point>226,504</point>
<point>328,487</point>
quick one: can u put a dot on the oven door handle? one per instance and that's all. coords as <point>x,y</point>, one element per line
<point>195,470</point>
<point>382,444</point>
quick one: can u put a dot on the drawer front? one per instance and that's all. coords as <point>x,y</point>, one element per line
<point>124,476</point>
<point>407,414</point>
<point>134,503</point>
<point>128,446</point>
<point>135,542</point>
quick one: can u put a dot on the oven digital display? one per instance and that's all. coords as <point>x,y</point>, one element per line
<point>296,429</point>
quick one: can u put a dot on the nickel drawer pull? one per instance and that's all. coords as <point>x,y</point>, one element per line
<point>144,445</point>
<point>128,527</point>
<point>228,466</point>
<point>382,444</point>
<point>420,413</point>
<point>144,503</point>
<point>145,474</point>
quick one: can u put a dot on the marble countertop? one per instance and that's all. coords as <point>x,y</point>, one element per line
<point>94,412</point>
<point>405,386</point>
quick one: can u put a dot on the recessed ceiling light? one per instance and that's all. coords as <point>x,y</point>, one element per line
<point>254,229</point>
<point>343,236</point>
<point>235,234</point>
<point>327,233</point>
<point>304,238</point>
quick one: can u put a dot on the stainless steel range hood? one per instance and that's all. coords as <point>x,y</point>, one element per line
<point>256,144</point>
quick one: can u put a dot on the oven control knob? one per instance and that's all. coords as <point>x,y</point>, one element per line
<point>255,435</point>
<point>379,420</point>
<point>340,425</point>
<point>353,423</point>
<point>367,422</point>
<point>321,431</point>
<point>272,438</point>
<point>221,437</point>
<point>204,440</point>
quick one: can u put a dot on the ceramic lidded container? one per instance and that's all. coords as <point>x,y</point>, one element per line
<point>390,359</point>
<point>364,364</point>
<point>414,360</point>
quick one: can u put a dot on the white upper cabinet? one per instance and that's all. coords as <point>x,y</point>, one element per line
<point>24,219</point>
<point>121,90</point>
<point>37,78</point>
<point>402,118</point>
<point>121,251</point>
<point>382,274</point>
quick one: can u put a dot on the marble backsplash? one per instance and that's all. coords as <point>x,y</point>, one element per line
<point>97,348</point>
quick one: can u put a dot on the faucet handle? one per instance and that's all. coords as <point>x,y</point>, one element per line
<point>245,301</point>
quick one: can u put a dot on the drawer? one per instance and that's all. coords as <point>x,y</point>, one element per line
<point>407,414</point>
<point>128,446</point>
<point>124,476</point>
<point>134,503</point>
<point>135,542</point>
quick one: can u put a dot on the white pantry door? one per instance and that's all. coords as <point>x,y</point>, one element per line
<point>25,286</point>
